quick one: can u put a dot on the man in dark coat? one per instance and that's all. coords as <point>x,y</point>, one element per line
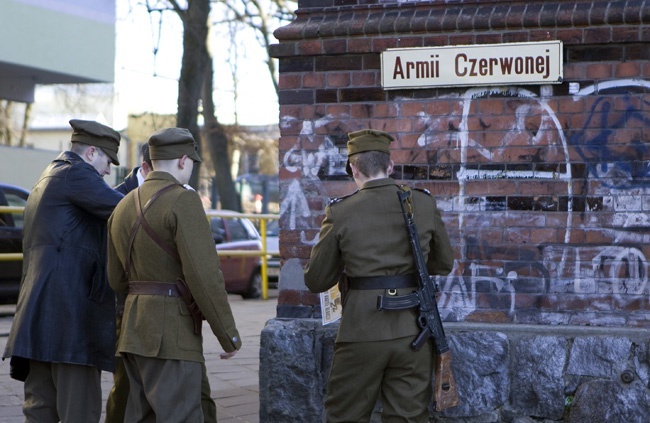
<point>364,235</point>
<point>63,333</point>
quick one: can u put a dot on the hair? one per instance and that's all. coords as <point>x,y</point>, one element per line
<point>79,147</point>
<point>370,163</point>
<point>144,149</point>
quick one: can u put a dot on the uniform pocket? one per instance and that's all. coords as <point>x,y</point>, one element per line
<point>187,340</point>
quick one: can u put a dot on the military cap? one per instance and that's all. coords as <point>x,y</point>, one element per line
<point>98,135</point>
<point>367,140</point>
<point>172,143</point>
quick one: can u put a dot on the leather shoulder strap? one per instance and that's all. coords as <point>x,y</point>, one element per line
<point>140,220</point>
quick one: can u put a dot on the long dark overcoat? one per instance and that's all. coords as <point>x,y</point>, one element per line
<point>66,309</point>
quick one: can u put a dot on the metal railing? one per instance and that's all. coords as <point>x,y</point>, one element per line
<point>263,253</point>
<point>11,256</point>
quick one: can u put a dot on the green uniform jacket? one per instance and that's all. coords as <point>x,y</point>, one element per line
<point>364,234</point>
<point>156,325</point>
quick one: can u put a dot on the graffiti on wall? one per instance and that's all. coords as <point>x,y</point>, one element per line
<point>312,161</point>
<point>619,268</point>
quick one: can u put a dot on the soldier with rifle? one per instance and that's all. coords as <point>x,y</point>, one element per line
<point>389,309</point>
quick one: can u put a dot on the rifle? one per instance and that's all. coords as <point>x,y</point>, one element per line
<point>445,394</point>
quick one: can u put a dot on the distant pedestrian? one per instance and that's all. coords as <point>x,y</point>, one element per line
<point>364,237</point>
<point>162,256</point>
<point>63,333</point>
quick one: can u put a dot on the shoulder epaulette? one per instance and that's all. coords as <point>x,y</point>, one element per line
<point>339,199</point>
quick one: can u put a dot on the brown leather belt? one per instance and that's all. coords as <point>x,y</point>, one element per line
<point>383,282</point>
<point>167,289</point>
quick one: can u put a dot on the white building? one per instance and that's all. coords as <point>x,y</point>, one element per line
<point>50,42</point>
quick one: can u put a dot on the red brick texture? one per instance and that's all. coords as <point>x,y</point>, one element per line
<point>545,190</point>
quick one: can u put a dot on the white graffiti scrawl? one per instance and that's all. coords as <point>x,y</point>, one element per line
<point>309,160</point>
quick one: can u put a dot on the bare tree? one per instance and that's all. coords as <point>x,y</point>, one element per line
<point>262,17</point>
<point>195,87</point>
<point>6,132</point>
<point>26,120</point>
<point>8,123</point>
<point>217,140</point>
<point>195,55</point>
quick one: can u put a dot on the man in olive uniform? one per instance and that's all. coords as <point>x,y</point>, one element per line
<point>364,236</point>
<point>63,333</point>
<point>119,393</point>
<point>159,235</point>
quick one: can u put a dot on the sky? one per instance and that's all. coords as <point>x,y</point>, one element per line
<point>145,82</point>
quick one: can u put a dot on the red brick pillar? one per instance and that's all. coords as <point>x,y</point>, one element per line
<point>545,190</point>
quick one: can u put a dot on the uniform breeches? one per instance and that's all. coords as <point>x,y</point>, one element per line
<point>62,392</point>
<point>163,391</point>
<point>391,371</point>
<point>119,394</point>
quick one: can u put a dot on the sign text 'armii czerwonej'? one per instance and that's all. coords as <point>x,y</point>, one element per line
<point>472,65</point>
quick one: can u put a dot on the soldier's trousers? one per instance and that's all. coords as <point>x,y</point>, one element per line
<point>389,370</point>
<point>119,394</point>
<point>163,390</point>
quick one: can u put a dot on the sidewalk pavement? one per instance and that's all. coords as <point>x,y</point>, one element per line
<point>234,382</point>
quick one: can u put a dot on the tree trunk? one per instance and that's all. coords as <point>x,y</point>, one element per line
<point>195,32</point>
<point>217,141</point>
<point>25,130</point>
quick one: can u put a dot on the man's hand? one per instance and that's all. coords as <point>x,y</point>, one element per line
<point>227,355</point>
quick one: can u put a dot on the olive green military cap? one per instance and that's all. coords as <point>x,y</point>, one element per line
<point>98,135</point>
<point>172,143</point>
<point>367,140</point>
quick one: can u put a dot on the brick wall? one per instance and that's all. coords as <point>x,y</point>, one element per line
<point>545,194</point>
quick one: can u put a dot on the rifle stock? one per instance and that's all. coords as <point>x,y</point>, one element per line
<point>445,394</point>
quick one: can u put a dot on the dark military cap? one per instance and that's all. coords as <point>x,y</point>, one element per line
<point>172,143</point>
<point>367,140</point>
<point>98,135</point>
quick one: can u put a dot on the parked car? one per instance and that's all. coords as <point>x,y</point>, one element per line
<point>11,241</point>
<point>242,275</point>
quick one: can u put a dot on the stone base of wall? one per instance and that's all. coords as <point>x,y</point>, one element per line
<point>504,373</point>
